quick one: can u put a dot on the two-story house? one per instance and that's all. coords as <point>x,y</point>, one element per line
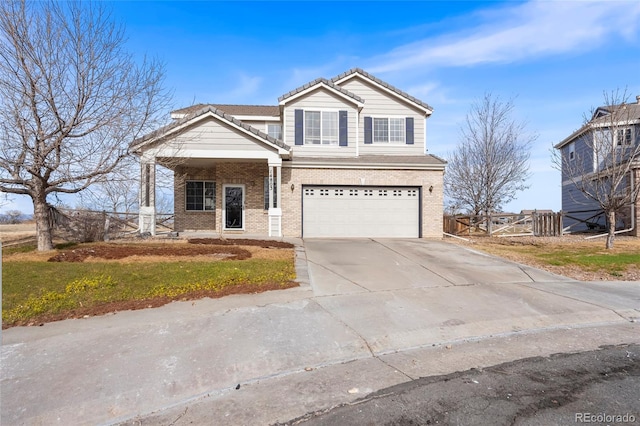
<point>344,157</point>
<point>602,151</point>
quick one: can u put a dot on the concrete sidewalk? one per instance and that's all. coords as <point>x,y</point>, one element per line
<point>376,313</point>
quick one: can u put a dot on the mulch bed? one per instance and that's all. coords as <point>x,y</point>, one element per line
<point>241,242</point>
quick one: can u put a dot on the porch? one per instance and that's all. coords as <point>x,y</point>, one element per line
<point>222,196</point>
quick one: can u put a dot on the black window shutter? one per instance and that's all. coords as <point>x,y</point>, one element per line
<point>299,127</point>
<point>368,134</point>
<point>409,132</point>
<point>342,126</point>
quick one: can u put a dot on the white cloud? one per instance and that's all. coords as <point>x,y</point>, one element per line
<point>529,30</point>
<point>247,87</point>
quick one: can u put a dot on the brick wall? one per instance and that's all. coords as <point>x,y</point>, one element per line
<point>252,174</point>
<point>431,201</point>
<point>249,174</point>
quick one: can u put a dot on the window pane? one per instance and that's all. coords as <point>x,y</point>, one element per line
<point>396,130</point>
<point>274,130</point>
<point>266,192</point>
<point>329,128</point>
<point>209,195</point>
<point>380,130</point>
<point>312,127</point>
<point>195,195</point>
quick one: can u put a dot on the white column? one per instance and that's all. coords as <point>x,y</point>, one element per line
<point>147,197</point>
<point>275,209</point>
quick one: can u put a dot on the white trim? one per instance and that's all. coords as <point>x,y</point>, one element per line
<point>224,205</point>
<point>217,154</point>
<point>357,132</point>
<point>255,117</point>
<point>426,111</point>
<point>374,166</point>
<point>321,85</point>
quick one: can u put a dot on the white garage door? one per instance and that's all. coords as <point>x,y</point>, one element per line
<point>343,211</point>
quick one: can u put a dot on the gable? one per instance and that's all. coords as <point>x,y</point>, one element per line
<point>357,73</point>
<point>321,98</point>
<point>172,134</point>
<point>214,135</point>
<point>379,101</point>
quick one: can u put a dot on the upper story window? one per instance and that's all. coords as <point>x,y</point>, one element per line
<point>275,130</point>
<point>321,128</point>
<point>201,195</point>
<point>388,130</point>
<point>624,137</point>
<point>317,127</point>
<point>572,151</point>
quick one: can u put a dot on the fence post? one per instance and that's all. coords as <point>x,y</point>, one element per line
<point>105,218</point>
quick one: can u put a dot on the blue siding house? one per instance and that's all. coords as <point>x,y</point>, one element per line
<point>609,139</point>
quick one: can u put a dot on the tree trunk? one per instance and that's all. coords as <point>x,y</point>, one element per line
<point>611,228</point>
<point>43,223</point>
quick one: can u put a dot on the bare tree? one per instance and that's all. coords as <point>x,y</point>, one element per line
<point>604,169</point>
<point>490,163</point>
<point>11,217</point>
<point>71,100</point>
<point>119,193</point>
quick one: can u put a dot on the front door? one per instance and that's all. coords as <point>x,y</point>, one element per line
<point>233,206</point>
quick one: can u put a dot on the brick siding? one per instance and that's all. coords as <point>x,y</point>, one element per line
<point>252,174</point>
<point>249,174</point>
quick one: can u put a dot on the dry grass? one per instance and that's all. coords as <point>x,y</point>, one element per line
<point>18,232</point>
<point>571,255</point>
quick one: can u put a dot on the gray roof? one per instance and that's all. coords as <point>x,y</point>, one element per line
<point>316,82</point>
<point>199,112</point>
<point>602,116</point>
<point>258,110</point>
<point>426,159</point>
<point>383,84</point>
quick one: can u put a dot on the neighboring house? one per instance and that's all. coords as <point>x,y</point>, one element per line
<point>611,136</point>
<point>344,157</point>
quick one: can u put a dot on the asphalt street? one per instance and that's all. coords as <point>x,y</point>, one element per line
<point>599,387</point>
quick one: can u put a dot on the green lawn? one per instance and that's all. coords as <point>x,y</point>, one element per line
<point>590,259</point>
<point>583,255</point>
<point>37,289</point>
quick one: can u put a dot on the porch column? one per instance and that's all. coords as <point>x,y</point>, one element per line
<point>275,209</point>
<point>147,197</point>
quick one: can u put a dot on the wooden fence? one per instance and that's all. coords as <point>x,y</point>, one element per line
<point>88,225</point>
<point>504,225</point>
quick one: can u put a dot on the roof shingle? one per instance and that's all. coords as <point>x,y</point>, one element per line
<point>257,110</point>
<point>316,82</point>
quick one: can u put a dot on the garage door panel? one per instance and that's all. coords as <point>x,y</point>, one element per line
<point>361,212</point>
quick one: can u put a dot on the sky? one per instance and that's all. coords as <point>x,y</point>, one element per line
<point>555,59</point>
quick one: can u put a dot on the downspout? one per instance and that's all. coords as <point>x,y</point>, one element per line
<point>357,132</point>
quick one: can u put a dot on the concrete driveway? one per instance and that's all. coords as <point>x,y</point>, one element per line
<point>374,313</point>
